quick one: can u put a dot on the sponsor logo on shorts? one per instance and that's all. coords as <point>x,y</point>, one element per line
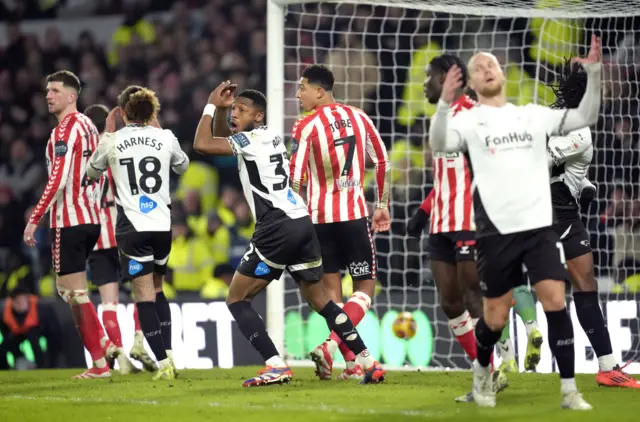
<point>291,198</point>
<point>134,267</point>
<point>147,204</point>
<point>483,286</point>
<point>585,243</point>
<point>262,269</point>
<point>359,268</point>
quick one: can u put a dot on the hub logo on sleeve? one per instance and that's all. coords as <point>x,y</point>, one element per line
<point>134,267</point>
<point>147,204</point>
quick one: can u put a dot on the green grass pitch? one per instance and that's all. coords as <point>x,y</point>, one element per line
<point>217,395</point>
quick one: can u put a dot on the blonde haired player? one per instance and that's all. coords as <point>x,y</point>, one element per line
<point>507,147</point>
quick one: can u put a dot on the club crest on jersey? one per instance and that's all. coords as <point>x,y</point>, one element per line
<point>60,149</point>
<point>147,204</point>
<point>241,139</point>
<point>262,269</point>
<point>291,198</point>
<point>134,267</point>
<point>295,144</point>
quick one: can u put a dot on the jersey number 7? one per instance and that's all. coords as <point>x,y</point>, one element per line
<point>146,173</point>
<point>350,142</point>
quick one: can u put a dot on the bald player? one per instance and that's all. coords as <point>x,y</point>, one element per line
<point>507,148</point>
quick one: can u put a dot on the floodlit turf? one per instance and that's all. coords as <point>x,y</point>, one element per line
<point>216,395</point>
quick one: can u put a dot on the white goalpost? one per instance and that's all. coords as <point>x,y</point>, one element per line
<point>378,51</point>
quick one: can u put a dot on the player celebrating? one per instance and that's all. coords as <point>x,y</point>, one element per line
<point>570,159</point>
<point>284,237</point>
<point>72,202</point>
<point>507,148</point>
<point>452,239</point>
<point>139,157</point>
<point>104,263</point>
<point>329,148</point>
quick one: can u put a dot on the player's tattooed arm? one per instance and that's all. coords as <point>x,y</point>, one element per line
<point>213,129</point>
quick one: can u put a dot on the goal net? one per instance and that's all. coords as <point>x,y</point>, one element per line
<point>378,52</point>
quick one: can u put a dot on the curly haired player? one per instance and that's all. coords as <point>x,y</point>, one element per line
<point>570,157</point>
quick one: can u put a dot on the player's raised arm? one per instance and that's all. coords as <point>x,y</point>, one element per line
<point>377,151</point>
<point>443,135</point>
<point>563,148</point>
<point>179,160</point>
<point>67,137</point>
<point>215,142</point>
<point>302,132</point>
<point>99,161</point>
<point>563,121</point>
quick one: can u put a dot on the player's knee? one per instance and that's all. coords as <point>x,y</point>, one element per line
<point>452,306</point>
<point>551,294</point>
<point>64,293</point>
<point>496,314</point>
<point>368,287</point>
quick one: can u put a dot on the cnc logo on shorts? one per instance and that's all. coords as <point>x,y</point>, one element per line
<point>147,204</point>
<point>134,267</point>
<point>359,268</point>
<point>262,269</point>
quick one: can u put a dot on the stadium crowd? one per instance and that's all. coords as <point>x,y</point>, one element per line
<point>184,56</point>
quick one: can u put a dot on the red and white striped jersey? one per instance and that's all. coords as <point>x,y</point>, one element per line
<point>450,201</point>
<point>108,214</point>
<point>329,149</point>
<point>69,196</point>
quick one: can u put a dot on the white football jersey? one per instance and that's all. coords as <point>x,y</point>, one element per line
<point>569,158</point>
<point>263,164</point>
<point>507,148</point>
<point>140,158</point>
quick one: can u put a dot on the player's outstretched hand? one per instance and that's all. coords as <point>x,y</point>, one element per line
<point>595,52</point>
<point>222,96</point>
<point>452,82</point>
<point>29,234</point>
<point>381,220</point>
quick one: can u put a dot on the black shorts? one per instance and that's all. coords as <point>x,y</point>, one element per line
<point>71,246</point>
<point>104,266</point>
<point>289,244</point>
<point>143,253</point>
<point>348,244</point>
<point>501,259</point>
<point>573,235</point>
<point>452,247</point>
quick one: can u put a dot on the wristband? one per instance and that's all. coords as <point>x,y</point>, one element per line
<point>209,110</point>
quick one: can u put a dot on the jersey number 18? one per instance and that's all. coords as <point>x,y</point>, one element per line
<point>146,174</point>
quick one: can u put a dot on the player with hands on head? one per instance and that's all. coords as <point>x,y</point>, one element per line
<point>140,157</point>
<point>74,211</point>
<point>104,260</point>
<point>284,237</point>
<point>329,149</point>
<point>507,147</point>
<point>569,159</point>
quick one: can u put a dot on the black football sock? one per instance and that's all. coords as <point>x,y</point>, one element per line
<point>592,322</point>
<point>560,331</point>
<point>164,315</point>
<point>486,339</point>
<point>253,328</point>
<point>339,322</point>
<point>150,325</point>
